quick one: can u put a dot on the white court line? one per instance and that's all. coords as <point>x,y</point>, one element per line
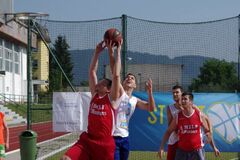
<point>17,150</point>
<point>235,158</point>
<point>54,152</point>
<point>54,138</point>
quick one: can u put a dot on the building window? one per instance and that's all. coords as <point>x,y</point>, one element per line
<point>1,64</point>
<point>1,52</point>
<point>35,64</point>
<point>16,62</point>
<point>8,45</point>
<point>24,50</point>
<point>1,58</point>
<point>8,60</point>
<point>16,48</point>
<point>8,54</point>
<point>16,68</point>
<point>16,57</point>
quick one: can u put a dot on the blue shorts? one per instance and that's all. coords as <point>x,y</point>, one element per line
<point>122,148</point>
<point>190,155</point>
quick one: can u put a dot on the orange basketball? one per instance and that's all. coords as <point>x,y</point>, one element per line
<point>113,34</point>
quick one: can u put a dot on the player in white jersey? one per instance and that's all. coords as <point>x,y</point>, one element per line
<point>128,103</point>
<point>172,111</point>
<point>124,112</point>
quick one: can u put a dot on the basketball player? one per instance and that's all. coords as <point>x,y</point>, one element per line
<point>188,123</point>
<point>127,105</point>
<point>174,109</point>
<point>97,143</point>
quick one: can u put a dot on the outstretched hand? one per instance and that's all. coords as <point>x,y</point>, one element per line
<point>100,47</point>
<point>110,46</point>
<point>149,85</point>
<point>119,45</point>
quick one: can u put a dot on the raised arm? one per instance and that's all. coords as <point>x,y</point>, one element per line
<point>94,66</point>
<point>110,47</point>
<point>171,128</point>
<point>150,104</point>
<point>116,78</point>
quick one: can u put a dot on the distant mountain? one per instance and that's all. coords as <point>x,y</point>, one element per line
<point>81,60</point>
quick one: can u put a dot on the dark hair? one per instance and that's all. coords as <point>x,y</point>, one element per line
<point>109,82</point>
<point>188,94</point>
<point>177,87</point>
<point>130,74</point>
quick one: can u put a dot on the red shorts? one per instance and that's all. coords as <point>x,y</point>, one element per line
<point>92,149</point>
<point>171,153</point>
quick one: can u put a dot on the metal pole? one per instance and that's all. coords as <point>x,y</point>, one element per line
<point>29,72</point>
<point>124,48</point>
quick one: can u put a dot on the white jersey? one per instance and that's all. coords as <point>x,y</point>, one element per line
<point>123,114</point>
<point>173,137</point>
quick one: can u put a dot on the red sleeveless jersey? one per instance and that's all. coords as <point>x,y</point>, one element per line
<point>100,118</point>
<point>189,131</point>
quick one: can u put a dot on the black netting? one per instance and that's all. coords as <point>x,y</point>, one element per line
<point>82,38</point>
<point>169,53</point>
<point>174,52</point>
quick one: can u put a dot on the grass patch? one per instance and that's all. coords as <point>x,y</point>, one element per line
<point>140,155</point>
<point>43,114</point>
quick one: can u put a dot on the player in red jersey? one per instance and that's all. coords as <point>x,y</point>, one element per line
<point>188,123</point>
<point>97,143</point>
<point>172,111</point>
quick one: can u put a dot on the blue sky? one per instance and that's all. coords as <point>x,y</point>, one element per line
<point>154,10</point>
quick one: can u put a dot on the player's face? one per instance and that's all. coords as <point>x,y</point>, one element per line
<point>129,81</point>
<point>177,94</point>
<point>186,101</point>
<point>101,87</point>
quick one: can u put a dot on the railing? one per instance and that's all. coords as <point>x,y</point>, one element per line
<point>12,98</point>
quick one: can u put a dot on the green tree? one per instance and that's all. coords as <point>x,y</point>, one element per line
<point>56,79</point>
<point>216,76</point>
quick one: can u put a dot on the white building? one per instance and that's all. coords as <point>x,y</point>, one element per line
<point>13,55</point>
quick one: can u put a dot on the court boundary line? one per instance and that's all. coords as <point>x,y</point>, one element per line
<point>49,140</point>
<point>237,158</point>
<point>54,152</point>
